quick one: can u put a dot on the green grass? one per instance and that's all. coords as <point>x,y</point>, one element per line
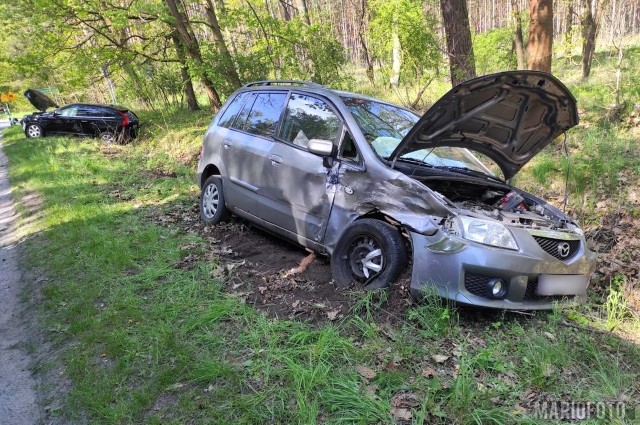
<point>144,341</point>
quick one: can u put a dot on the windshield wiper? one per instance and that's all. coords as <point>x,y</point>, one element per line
<point>414,161</point>
<point>470,172</point>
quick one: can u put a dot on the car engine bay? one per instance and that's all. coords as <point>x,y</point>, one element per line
<point>500,202</point>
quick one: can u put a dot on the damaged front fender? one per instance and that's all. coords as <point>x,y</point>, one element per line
<point>366,194</point>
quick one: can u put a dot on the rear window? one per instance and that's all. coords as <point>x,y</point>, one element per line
<point>265,113</point>
<point>229,114</point>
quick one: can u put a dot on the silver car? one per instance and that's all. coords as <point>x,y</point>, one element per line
<point>378,188</point>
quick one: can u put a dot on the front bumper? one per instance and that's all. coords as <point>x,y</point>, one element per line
<point>463,276</point>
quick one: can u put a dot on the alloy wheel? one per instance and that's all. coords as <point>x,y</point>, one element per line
<point>108,137</point>
<point>210,201</point>
<point>366,258</point>
<point>34,131</point>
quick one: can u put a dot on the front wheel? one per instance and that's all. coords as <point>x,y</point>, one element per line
<point>33,130</point>
<point>370,252</point>
<point>212,207</point>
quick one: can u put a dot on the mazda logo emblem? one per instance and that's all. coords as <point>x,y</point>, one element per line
<point>563,249</point>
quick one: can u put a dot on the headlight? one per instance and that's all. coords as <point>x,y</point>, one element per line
<point>488,232</point>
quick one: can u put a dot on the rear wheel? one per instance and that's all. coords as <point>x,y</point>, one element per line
<point>212,207</point>
<point>33,130</point>
<point>371,253</point>
<point>108,137</point>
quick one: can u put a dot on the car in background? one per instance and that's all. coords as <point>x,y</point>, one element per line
<point>110,123</point>
<point>379,188</point>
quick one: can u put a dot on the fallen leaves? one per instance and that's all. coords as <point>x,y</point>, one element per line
<point>400,413</point>
<point>401,405</point>
<point>439,358</point>
<point>223,270</point>
<point>333,315</point>
<point>366,372</point>
<point>175,386</point>
<point>429,372</point>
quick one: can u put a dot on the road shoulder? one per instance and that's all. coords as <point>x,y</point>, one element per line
<point>18,397</point>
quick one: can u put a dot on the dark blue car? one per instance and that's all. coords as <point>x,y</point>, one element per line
<point>111,123</point>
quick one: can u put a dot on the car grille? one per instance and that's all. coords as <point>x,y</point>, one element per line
<point>551,247</point>
<point>476,283</point>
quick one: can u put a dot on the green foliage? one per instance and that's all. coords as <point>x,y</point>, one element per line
<point>417,34</point>
<point>494,51</point>
<point>541,168</point>
<point>434,316</point>
<point>135,48</point>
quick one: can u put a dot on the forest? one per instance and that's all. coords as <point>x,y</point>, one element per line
<point>194,53</point>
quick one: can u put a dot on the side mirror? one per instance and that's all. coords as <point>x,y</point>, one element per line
<point>323,148</point>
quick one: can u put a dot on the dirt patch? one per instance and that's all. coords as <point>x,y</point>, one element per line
<point>277,277</point>
<point>617,242</point>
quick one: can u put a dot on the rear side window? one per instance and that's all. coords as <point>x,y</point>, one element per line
<point>265,113</point>
<point>106,112</point>
<point>309,118</point>
<point>229,115</point>
<point>95,111</point>
<point>83,112</point>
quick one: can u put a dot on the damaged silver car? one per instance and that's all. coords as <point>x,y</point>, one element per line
<point>378,188</point>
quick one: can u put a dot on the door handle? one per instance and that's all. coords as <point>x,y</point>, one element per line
<point>227,143</point>
<point>275,160</point>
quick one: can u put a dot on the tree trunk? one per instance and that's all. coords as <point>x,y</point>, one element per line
<point>286,13</point>
<point>394,80</point>
<point>568,35</point>
<point>187,84</point>
<point>228,65</point>
<point>304,10</point>
<point>519,39</point>
<point>364,18</point>
<point>106,74</point>
<point>540,35</point>
<point>591,17</point>
<point>617,91</point>
<point>190,42</point>
<point>588,36</point>
<point>462,65</point>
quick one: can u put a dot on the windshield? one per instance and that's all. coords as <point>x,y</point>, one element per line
<point>384,126</point>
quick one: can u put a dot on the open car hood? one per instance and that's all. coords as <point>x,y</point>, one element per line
<point>509,117</point>
<point>40,100</point>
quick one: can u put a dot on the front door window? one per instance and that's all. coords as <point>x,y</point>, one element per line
<point>309,118</point>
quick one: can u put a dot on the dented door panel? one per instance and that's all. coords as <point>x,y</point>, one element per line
<point>296,185</point>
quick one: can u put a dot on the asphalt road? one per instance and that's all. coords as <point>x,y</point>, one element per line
<point>18,402</point>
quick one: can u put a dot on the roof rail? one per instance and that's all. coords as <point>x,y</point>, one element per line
<point>283,83</point>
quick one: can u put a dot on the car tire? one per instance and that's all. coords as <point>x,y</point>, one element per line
<point>212,204</point>
<point>33,130</point>
<point>108,137</point>
<point>370,253</point>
